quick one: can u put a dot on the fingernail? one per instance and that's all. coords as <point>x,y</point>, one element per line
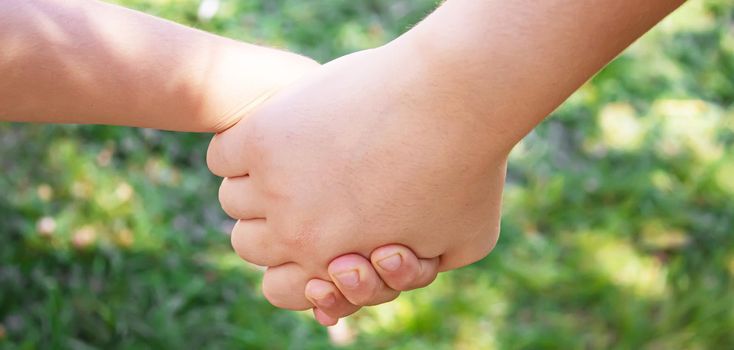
<point>349,278</point>
<point>391,263</point>
<point>326,300</point>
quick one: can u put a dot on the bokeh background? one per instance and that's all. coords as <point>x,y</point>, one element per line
<point>618,228</point>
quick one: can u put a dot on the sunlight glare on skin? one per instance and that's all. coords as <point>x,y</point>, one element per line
<point>122,40</point>
<point>14,47</point>
<point>18,46</point>
<point>128,46</point>
<point>52,28</point>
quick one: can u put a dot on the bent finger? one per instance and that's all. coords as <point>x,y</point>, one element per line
<point>283,287</point>
<point>327,298</point>
<point>252,239</point>
<point>401,269</point>
<point>359,282</point>
<point>240,199</point>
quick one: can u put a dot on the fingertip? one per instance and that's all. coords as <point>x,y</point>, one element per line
<point>324,319</point>
<point>283,287</point>
<point>327,298</point>
<point>321,293</point>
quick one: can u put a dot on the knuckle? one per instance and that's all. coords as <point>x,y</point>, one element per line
<point>281,298</point>
<point>235,240</point>
<point>225,200</point>
<point>303,238</point>
<point>258,245</point>
<point>213,155</point>
<point>272,296</point>
<point>247,249</point>
<point>256,145</point>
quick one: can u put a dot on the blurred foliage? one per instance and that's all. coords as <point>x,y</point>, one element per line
<point>618,229</point>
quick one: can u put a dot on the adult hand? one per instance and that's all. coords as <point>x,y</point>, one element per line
<point>368,151</point>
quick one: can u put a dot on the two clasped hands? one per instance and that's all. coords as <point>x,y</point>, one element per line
<point>356,183</point>
<point>372,173</point>
<point>351,181</point>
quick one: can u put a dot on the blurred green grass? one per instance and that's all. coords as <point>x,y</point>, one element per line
<point>618,228</point>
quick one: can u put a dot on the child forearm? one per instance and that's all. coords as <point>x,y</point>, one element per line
<point>83,61</point>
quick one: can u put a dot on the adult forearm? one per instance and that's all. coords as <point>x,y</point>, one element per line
<point>516,61</point>
<point>82,61</point>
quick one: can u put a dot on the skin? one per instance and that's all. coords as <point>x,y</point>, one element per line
<point>406,143</point>
<point>59,55</point>
<point>477,61</point>
<point>82,61</point>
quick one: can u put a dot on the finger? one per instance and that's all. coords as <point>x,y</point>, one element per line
<point>240,199</point>
<point>471,253</point>
<point>227,155</point>
<point>283,286</point>
<point>400,269</point>
<point>359,282</point>
<point>323,318</point>
<point>251,240</point>
<point>328,299</point>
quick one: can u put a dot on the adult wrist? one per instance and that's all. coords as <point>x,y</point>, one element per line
<point>448,74</point>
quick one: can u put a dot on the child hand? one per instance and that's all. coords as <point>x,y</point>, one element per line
<point>390,270</point>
